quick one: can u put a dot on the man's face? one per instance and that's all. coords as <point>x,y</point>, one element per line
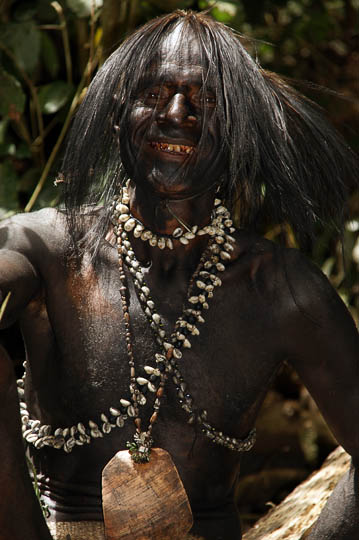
<point>164,149</point>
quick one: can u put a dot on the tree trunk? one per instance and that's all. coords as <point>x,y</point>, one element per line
<point>298,512</point>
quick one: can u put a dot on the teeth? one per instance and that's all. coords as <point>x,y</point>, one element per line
<point>175,148</point>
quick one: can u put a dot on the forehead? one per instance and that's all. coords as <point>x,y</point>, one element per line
<point>179,57</point>
<point>181,46</point>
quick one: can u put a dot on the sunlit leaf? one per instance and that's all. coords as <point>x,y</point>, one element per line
<point>224,11</point>
<point>352,225</point>
<point>12,97</point>
<point>53,96</point>
<point>7,149</point>
<point>23,40</point>
<point>82,8</point>
<point>327,266</point>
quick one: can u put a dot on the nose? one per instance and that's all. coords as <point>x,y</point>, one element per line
<point>177,111</point>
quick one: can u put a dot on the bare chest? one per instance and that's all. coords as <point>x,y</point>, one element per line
<point>225,368</point>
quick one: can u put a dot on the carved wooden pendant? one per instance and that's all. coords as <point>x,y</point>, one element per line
<point>144,501</point>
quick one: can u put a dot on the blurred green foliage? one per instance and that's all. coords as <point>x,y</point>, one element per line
<point>50,50</point>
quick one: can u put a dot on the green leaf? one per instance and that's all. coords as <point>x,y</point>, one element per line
<point>12,98</point>
<point>29,180</point>
<point>8,191</point>
<point>23,40</point>
<point>46,14</point>
<point>49,55</point>
<point>7,149</point>
<point>23,151</point>
<point>82,8</point>
<point>25,11</point>
<point>3,127</point>
<point>224,11</point>
<point>53,96</point>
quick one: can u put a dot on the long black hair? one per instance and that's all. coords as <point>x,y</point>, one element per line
<point>283,157</point>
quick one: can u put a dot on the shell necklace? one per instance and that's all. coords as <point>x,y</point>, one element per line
<point>166,362</point>
<point>200,290</point>
<point>183,234</point>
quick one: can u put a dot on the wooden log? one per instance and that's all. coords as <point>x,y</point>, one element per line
<point>144,501</point>
<point>298,512</point>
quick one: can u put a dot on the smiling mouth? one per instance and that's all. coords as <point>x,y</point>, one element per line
<point>180,149</point>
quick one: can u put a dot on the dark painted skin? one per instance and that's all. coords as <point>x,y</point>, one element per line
<point>273,306</point>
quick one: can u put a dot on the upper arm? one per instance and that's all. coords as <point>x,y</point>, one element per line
<point>18,277</point>
<point>19,274</point>
<point>322,343</point>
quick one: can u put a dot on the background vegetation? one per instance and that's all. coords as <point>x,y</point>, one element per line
<point>49,51</point>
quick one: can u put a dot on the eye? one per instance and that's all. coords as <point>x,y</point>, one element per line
<point>208,99</point>
<point>151,96</point>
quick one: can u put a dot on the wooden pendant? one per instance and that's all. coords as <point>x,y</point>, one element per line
<point>144,501</point>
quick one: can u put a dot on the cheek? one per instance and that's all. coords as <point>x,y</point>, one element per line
<point>139,123</point>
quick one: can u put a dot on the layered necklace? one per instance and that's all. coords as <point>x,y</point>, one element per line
<point>171,349</point>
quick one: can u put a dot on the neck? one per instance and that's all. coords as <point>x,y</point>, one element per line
<point>160,214</point>
<point>154,224</point>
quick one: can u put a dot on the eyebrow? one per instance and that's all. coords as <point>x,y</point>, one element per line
<point>150,82</point>
<point>167,76</point>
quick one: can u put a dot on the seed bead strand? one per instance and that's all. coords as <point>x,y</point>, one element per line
<point>205,279</point>
<point>141,446</point>
<point>220,249</point>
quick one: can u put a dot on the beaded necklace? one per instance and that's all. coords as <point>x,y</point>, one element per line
<point>201,287</point>
<point>183,234</point>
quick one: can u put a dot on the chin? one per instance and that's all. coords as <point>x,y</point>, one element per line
<point>171,184</point>
<point>163,181</point>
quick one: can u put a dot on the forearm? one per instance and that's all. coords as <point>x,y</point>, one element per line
<point>339,519</point>
<point>20,513</point>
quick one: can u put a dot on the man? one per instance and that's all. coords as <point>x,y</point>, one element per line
<point>142,281</point>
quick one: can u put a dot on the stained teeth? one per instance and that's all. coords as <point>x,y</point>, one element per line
<point>167,147</point>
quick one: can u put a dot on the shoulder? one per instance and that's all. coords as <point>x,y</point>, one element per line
<point>309,300</point>
<point>37,219</point>
<point>36,232</point>
<point>255,261</point>
<point>309,287</point>
<point>296,285</point>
